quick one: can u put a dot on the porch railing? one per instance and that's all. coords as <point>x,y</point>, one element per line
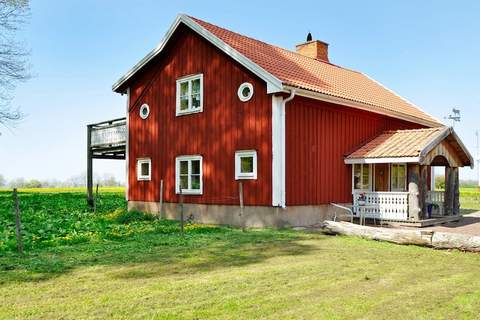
<point>386,205</point>
<point>438,198</point>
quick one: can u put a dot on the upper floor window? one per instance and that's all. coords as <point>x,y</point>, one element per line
<point>189,174</point>
<point>190,94</point>
<point>362,177</point>
<point>398,177</point>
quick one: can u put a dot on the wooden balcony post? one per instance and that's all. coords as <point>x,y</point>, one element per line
<point>89,167</point>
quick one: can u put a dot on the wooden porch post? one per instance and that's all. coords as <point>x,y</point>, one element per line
<point>414,207</point>
<point>449,190</point>
<point>89,167</point>
<point>452,191</point>
<point>456,193</point>
<point>423,189</point>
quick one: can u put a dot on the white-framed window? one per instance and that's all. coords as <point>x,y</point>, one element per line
<point>144,169</point>
<point>245,91</point>
<point>398,177</point>
<point>362,176</point>
<point>246,164</point>
<point>188,175</point>
<point>190,94</point>
<point>144,111</point>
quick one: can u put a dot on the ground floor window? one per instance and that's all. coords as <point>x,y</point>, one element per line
<point>245,165</point>
<point>189,175</point>
<point>362,177</point>
<point>144,169</point>
<point>398,177</point>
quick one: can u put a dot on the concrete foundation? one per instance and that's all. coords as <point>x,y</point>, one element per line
<point>253,216</point>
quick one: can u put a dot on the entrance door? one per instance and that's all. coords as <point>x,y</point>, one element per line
<point>381,177</point>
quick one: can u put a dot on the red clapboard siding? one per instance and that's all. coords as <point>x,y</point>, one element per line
<point>318,136</point>
<point>224,126</point>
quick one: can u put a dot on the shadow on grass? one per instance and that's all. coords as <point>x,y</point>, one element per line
<point>468,211</point>
<point>150,254</point>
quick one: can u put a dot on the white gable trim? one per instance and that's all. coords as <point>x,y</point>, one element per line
<point>273,83</point>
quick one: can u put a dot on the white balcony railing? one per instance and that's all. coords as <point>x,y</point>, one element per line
<point>384,205</point>
<point>109,133</point>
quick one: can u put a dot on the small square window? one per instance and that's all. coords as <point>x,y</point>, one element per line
<point>245,165</point>
<point>144,169</point>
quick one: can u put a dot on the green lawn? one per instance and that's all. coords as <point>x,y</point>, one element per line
<point>117,265</point>
<point>470,199</point>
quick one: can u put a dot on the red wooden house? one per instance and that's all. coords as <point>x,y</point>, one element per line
<point>209,108</point>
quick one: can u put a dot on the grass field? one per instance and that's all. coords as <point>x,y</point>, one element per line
<point>470,199</point>
<point>120,265</point>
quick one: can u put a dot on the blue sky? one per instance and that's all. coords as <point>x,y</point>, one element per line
<point>427,51</point>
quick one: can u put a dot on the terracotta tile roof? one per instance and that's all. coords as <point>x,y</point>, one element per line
<point>303,72</point>
<point>397,144</point>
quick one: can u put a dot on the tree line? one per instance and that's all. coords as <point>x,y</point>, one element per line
<point>105,180</point>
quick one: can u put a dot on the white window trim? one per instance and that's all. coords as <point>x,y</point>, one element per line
<point>242,175</point>
<point>390,177</point>
<point>144,106</point>
<point>141,177</point>
<point>188,158</point>
<point>190,110</point>
<point>361,177</point>
<point>240,91</point>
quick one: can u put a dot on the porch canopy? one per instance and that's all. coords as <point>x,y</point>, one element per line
<point>433,146</point>
<point>403,159</point>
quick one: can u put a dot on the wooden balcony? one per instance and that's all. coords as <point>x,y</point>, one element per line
<point>105,140</point>
<point>108,139</point>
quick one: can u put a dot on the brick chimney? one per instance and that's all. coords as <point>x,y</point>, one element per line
<point>314,49</point>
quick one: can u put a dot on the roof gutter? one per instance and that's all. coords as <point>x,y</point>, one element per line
<point>279,193</point>
<point>283,145</point>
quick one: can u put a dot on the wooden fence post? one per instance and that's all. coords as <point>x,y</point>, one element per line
<point>240,196</point>
<point>95,200</point>
<point>181,211</point>
<point>161,199</point>
<point>18,222</point>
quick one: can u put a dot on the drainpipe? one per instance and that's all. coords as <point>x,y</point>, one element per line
<point>283,147</point>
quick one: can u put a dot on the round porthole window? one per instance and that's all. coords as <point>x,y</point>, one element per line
<point>144,111</point>
<point>245,91</point>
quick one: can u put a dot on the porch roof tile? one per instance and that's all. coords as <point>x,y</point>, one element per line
<point>397,144</point>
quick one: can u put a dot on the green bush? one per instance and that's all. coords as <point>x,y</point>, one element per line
<point>126,217</point>
<point>440,183</point>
